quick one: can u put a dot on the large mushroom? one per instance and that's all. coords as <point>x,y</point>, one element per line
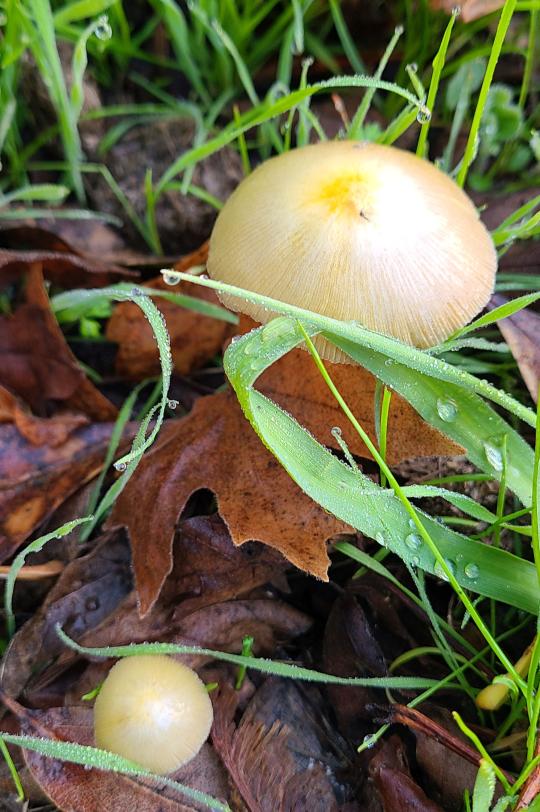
<point>356,231</point>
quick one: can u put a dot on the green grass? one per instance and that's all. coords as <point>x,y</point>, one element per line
<point>443,80</point>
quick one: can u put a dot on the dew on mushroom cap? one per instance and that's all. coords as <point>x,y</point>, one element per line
<point>356,231</point>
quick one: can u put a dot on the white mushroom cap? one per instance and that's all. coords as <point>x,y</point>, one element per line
<point>153,710</point>
<point>356,231</point>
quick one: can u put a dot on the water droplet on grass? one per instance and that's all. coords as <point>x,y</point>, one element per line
<point>380,539</point>
<point>447,409</point>
<point>172,404</point>
<point>493,455</point>
<point>103,30</point>
<point>472,571</point>
<point>440,572</point>
<point>170,278</point>
<point>120,466</point>
<point>413,541</point>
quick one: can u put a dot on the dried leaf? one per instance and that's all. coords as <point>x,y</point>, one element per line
<point>51,431</point>
<point>389,770</point>
<point>87,592</point>
<point>37,363</point>
<point>36,479</point>
<point>63,267</point>
<point>521,332</point>
<point>214,447</point>
<point>350,649</point>
<point>284,755</point>
<point>195,339</point>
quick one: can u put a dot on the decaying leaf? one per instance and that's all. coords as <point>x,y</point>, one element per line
<point>195,338</point>
<point>521,331</point>
<point>37,364</point>
<point>214,447</point>
<point>350,649</point>
<point>390,773</point>
<point>88,591</point>
<point>284,755</point>
<point>37,478</point>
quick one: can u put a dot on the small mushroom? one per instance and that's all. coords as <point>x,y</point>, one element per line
<point>154,711</point>
<point>356,231</point>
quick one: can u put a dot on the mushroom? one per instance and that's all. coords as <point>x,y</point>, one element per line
<point>154,711</point>
<point>356,231</point>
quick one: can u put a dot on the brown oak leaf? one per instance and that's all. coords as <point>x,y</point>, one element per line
<point>37,364</point>
<point>36,479</point>
<point>214,447</point>
<point>195,339</point>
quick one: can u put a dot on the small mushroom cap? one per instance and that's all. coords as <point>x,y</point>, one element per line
<point>356,231</point>
<point>153,710</point>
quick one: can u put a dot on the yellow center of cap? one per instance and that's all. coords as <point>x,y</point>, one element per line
<point>347,193</point>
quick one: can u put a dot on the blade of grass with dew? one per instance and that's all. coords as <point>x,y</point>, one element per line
<point>365,104</point>
<point>470,148</point>
<point>34,547</point>
<point>264,112</point>
<point>39,27</point>
<point>438,64</point>
<point>353,497</point>
<point>110,762</point>
<point>445,396</point>
<point>73,304</point>
<point>264,666</point>
<point>159,328</point>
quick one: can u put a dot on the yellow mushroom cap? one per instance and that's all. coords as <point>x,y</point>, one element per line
<point>356,231</point>
<point>153,710</point>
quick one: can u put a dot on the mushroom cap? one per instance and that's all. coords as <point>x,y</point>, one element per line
<point>153,710</point>
<point>356,231</point>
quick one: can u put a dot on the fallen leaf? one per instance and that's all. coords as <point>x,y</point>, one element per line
<point>470,9</point>
<point>37,364</point>
<point>521,332</point>
<point>51,431</point>
<point>284,754</point>
<point>37,479</point>
<point>64,268</point>
<point>195,339</point>
<point>390,773</point>
<point>75,789</point>
<point>87,592</point>
<point>350,649</point>
<point>214,447</point>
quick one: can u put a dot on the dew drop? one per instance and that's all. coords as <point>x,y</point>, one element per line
<point>103,30</point>
<point>368,742</point>
<point>136,292</point>
<point>389,362</point>
<point>412,524</point>
<point>170,277</point>
<point>440,573</point>
<point>380,539</point>
<point>415,561</point>
<point>493,456</point>
<point>336,432</point>
<point>447,409</point>
<point>424,115</point>
<point>120,466</point>
<point>413,541</point>
<point>472,570</point>
<point>172,404</point>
